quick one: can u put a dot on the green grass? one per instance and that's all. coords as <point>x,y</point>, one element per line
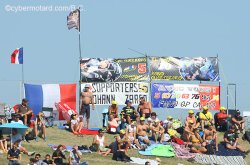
<point>57,136</point>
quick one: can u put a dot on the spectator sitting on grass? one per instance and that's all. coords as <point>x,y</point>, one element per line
<point>39,126</point>
<point>17,138</point>
<point>100,141</point>
<point>113,126</point>
<point>75,156</point>
<point>3,143</point>
<point>37,159</point>
<point>14,155</point>
<point>239,122</point>
<point>47,160</point>
<point>76,123</point>
<point>17,119</point>
<point>58,155</point>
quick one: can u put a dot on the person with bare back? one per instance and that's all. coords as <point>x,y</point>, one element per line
<point>144,108</point>
<point>86,99</point>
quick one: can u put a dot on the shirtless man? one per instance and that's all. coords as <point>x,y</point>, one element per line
<point>86,99</point>
<point>144,108</point>
<point>210,136</point>
<point>157,131</point>
<point>141,131</point>
<point>188,131</point>
<point>198,145</point>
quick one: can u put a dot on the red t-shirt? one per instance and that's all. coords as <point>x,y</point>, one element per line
<point>222,117</point>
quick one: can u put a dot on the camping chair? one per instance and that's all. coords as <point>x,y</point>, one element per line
<point>48,116</point>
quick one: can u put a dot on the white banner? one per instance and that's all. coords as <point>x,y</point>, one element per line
<point>104,93</point>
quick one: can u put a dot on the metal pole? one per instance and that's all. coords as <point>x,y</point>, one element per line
<point>235,96</point>
<point>227,99</point>
<point>80,57</point>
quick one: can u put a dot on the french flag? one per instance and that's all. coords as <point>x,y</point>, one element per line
<point>17,56</point>
<point>48,95</point>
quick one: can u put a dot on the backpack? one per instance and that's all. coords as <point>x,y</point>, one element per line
<point>247,136</point>
<point>210,149</point>
<point>29,136</point>
<point>93,148</point>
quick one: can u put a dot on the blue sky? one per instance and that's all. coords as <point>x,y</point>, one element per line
<point>108,28</point>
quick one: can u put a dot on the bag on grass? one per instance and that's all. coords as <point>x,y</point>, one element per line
<point>247,136</point>
<point>210,149</point>
<point>93,148</point>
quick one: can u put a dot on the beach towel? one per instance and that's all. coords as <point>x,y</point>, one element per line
<point>87,132</point>
<point>142,161</point>
<point>223,151</point>
<point>158,150</point>
<point>182,152</point>
<point>219,160</point>
<point>68,148</point>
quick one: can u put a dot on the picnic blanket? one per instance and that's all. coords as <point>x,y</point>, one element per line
<point>223,151</point>
<point>87,132</point>
<point>219,160</point>
<point>182,152</point>
<point>158,150</point>
<point>68,148</point>
<point>142,161</point>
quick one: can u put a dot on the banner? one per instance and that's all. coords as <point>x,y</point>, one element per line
<point>184,68</point>
<point>104,93</point>
<point>50,95</point>
<point>187,96</point>
<point>110,70</point>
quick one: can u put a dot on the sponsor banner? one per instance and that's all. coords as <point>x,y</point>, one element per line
<point>184,68</point>
<point>110,70</point>
<point>104,93</point>
<point>187,96</point>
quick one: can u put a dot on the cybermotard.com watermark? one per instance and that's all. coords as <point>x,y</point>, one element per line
<point>42,8</point>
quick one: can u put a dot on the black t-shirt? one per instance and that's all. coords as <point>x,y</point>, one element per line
<point>238,117</point>
<point>14,153</point>
<point>231,136</point>
<point>58,160</point>
<point>48,161</point>
<point>128,111</point>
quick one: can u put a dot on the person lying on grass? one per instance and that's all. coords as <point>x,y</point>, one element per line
<point>76,123</point>
<point>198,145</point>
<point>100,141</point>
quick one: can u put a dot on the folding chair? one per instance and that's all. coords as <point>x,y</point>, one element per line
<point>48,116</point>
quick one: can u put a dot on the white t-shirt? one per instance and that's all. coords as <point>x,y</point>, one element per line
<point>73,122</point>
<point>19,121</point>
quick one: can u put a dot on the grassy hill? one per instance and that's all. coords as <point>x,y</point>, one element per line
<point>57,136</point>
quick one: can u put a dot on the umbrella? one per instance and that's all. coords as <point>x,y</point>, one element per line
<point>7,128</point>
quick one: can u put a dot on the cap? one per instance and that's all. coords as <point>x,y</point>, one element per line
<point>153,114</point>
<point>222,108</point>
<point>17,115</point>
<point>205,108</point>
<point>169,117</point>
<point>114,102</point>
<point>24,100</point>
<point>133,123</point>
<point>142,119</point>
<point>122,131</point>
<point>191,112</point>
<point>149,119</point>
<point>238,111</point>
<point>128,101</point>
<point>157,121</point>
<point>101,130</point>
<point>87,86</point>
<point>141,98</point>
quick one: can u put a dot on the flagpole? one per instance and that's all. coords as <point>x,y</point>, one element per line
<point>80,57</point>
<point>22,83</point>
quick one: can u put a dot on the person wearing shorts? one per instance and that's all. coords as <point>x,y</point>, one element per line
<point>141,132</point>
<point>87,98</point>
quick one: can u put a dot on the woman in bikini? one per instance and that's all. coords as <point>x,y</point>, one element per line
<point>131,132</point>
<point>113,110</point>
<point>76,124</point>
<point>198,145</point>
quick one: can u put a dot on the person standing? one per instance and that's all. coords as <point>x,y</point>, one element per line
<point>25,111</point>
<point>144,108</point>
<point>87,98</point>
